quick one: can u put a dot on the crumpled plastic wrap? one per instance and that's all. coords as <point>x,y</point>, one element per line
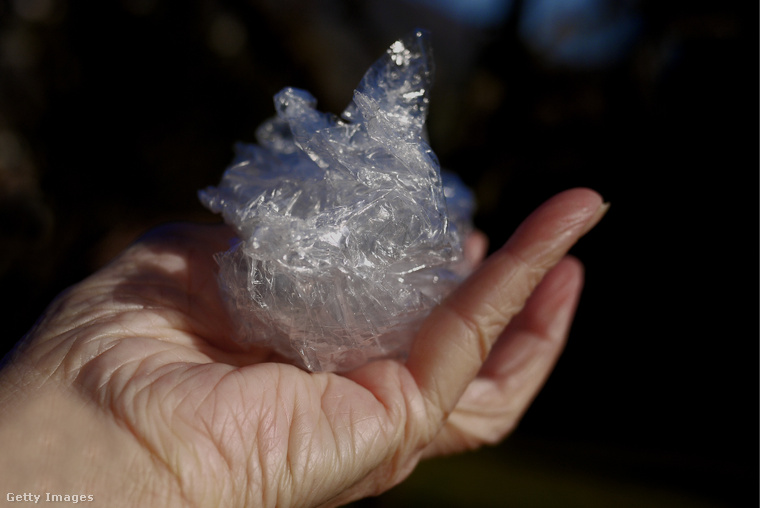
<point>348,235</point>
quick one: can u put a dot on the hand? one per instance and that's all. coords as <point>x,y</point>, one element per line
<point>129,388</point>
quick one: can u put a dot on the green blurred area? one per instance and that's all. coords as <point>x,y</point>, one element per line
<point>529,474</point>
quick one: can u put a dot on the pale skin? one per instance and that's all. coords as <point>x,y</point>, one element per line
<point>130,389</point>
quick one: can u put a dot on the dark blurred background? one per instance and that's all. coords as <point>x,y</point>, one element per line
<point>113,114</point>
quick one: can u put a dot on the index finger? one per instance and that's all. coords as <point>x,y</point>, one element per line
<point>456,338</point>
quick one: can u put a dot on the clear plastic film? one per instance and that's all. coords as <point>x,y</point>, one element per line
<point>348,233</point>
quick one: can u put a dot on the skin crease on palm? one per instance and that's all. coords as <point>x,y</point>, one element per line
<point>130,389</point>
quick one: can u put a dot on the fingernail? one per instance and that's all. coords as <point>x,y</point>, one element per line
<point>600,212</point>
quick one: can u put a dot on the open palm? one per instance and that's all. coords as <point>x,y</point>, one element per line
<point>146,343</point>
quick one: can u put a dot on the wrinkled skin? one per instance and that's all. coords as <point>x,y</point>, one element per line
<point>129,388</point>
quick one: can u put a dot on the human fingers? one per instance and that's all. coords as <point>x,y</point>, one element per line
<point>455,340</point>
<point>542,325</point>
<point>517,366</point>
<point>475,247</point>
